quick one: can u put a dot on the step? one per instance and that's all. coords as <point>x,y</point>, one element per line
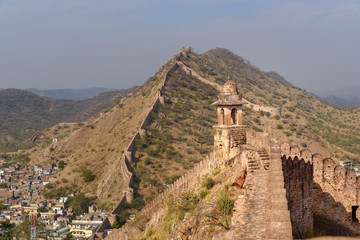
<point>276,172</point>
<point>276,178</point>
<point>277,193</point>
<point>278,204</point>
<point>275,166</point>
<point>275,215</point>
<point>279,230</point>
<point>276,184</point>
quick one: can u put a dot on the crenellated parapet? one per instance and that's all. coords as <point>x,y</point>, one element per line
<point>328,177</point>
<point>189,181</point>
<point>298,181</point>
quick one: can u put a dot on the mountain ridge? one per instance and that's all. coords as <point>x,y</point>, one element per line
<point>179,133</point>
<point>73,94</point>
<point>24,113</point>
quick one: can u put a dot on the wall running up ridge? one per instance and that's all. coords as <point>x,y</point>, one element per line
<point>272,110</point>
<point>190,179</point>
<point>127,158</point>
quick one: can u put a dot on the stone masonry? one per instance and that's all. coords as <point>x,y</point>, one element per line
<point>285,186</point>
<point>265,194</point>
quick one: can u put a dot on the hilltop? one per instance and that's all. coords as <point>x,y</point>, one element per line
<point>74,94</point>
<point>178,133</point>
<point>23,114</point>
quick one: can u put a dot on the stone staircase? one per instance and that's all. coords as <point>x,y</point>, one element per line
<point>277,214</point>
<point>238,136</point>
<point>253,165</point>
<point>267,215</point>
<point>264,158</point>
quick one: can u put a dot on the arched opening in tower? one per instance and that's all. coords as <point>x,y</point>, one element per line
<point>353,213</point>
<point>233,116</point>
<point>222,117</point>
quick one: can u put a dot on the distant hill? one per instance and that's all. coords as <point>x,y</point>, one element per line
<point>348,96</point>
<point>74,94</point>
<point>24,113</point>
<point>342,102</point>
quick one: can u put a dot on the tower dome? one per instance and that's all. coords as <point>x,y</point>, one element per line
<point>229,105</point>
<point>229,88</point>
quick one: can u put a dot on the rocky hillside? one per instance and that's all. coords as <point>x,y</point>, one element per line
<point>24,113</point>
<point>179,132</point>
<point>305,119</point>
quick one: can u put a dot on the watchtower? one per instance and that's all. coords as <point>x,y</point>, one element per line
<point>229,132</point>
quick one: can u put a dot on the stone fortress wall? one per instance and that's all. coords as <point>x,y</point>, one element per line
<point>272,110</point>
<point>313,185</point>
<point>190,179</point>
<point>129,151</point>
<point>298,178</point>
<point>318,186</point>
<point>187,182</point>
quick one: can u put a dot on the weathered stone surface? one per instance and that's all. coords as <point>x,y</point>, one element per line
<point>279,230</point>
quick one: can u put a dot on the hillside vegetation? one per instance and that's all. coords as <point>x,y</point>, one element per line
<point>74,94</point>
<point>180,132</point>
<point>24,113</point>
<point>305,119</point>
<point>179,136</point>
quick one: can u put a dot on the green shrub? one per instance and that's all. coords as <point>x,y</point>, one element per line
<point>187,203</point>
<point>216,172</point>
<point>61,165</point>
<point>279,126</point>
<point>257,129</point>
<point>287,133</point>
<point>122,218</point>
<point>79,204</point>
<point>304,145</point>
<point>147,161</point>
<point>88,176</point>
<point>207,182</point>
<point>224,203</point>
<point>202,193</point>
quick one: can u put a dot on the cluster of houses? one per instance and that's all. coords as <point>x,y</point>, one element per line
<point>19,187</point>
<point>349,164</point>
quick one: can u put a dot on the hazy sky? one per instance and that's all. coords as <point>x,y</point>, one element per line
<point>50,44</point>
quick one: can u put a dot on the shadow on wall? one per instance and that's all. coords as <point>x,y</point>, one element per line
<point>298,180</point>
<point>326,226</point>
<point>313,211</point>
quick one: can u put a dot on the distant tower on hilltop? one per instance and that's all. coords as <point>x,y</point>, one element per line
<point>230,133</point>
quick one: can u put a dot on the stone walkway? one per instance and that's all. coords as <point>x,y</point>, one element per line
<point>265,214</point>
<point>253,220</point>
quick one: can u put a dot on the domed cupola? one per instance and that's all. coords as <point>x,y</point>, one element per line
<point>229,105</point>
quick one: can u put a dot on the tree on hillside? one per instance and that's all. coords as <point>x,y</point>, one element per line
<point>80,203</point>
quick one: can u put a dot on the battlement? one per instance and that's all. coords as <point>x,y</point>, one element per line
<point>313,185</point>
<point>343,185</point>
<point>316,185</point>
